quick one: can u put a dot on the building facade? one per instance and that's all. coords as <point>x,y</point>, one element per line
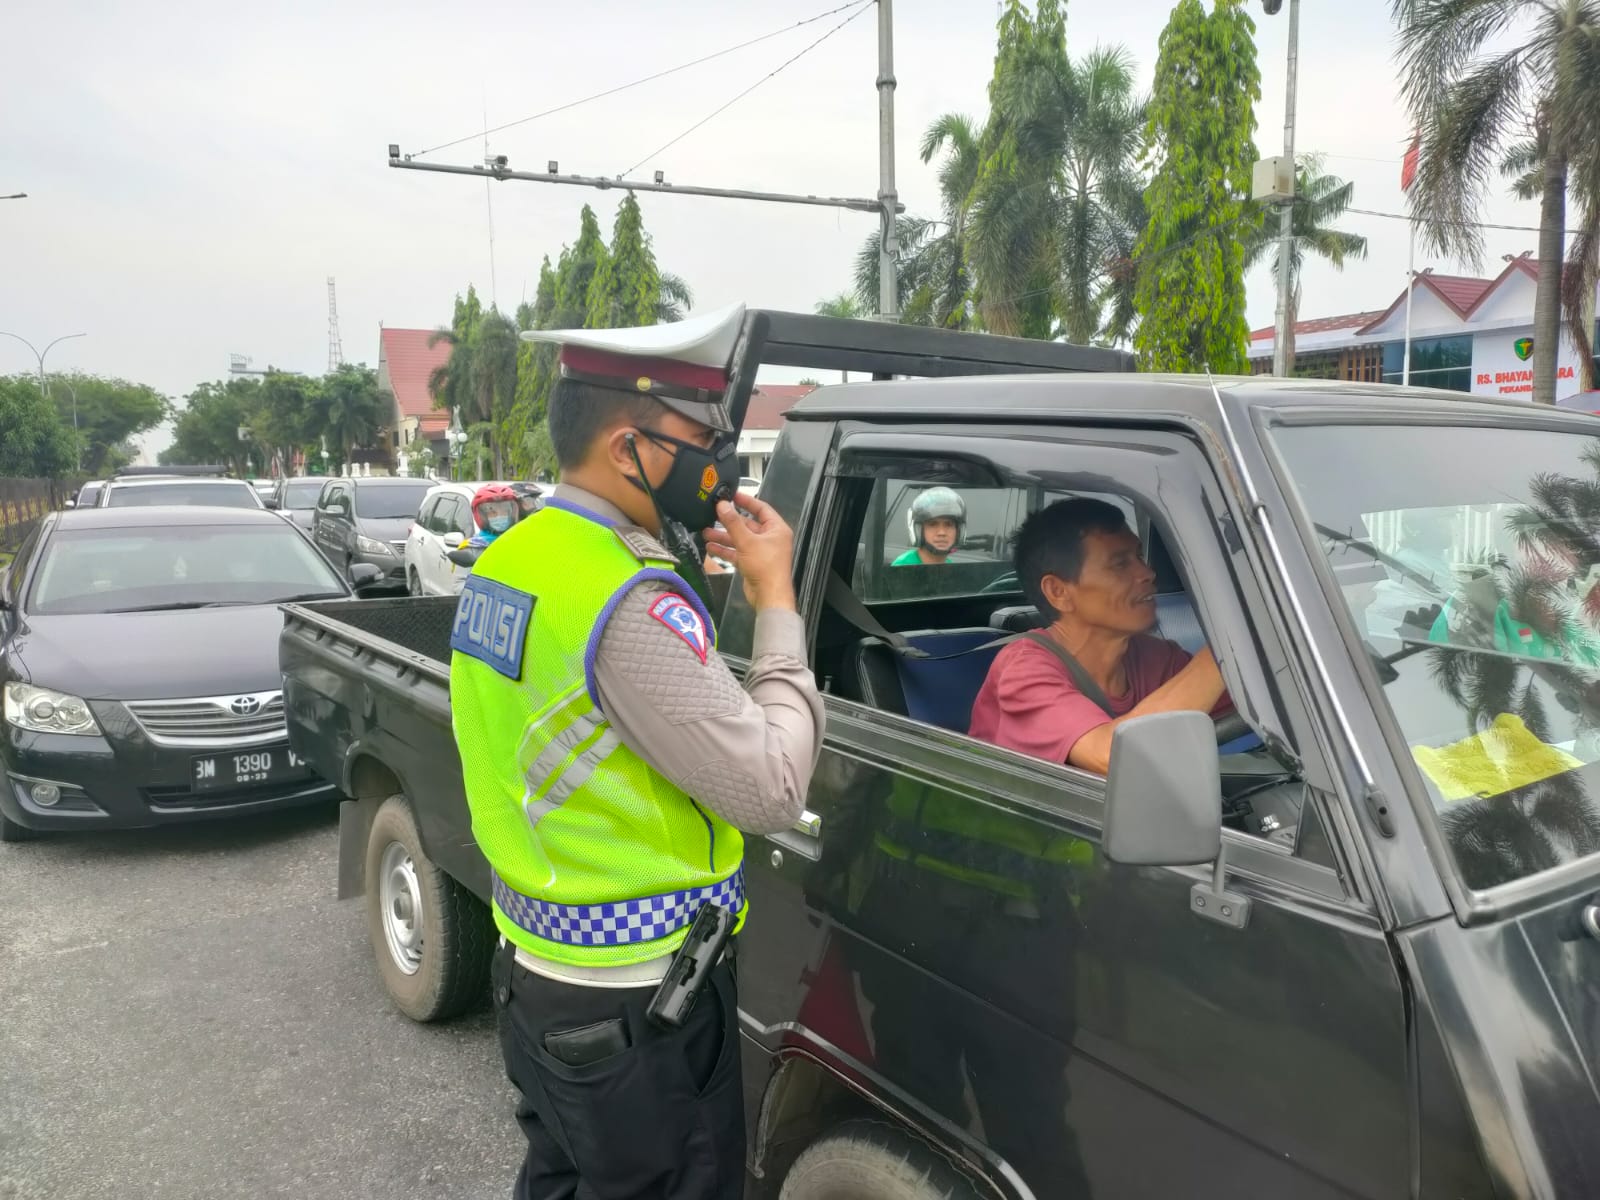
<point>1467,335</point>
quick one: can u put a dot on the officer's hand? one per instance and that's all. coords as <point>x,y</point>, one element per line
<point>760,546</point>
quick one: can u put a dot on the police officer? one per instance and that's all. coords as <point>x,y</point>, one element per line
<point>611,760</point>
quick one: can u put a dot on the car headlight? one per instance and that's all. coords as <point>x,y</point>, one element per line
<point>45,711</point>
<point>371,545</point>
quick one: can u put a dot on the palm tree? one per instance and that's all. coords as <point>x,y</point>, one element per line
<point>843,305</point>
<point>1059,202</point>
<point>1475,71</point>
<point>676,299</point>
<point>1102,209</point>
<point>1320,199</point>
<point>493,375</point>
<point>935,286</point>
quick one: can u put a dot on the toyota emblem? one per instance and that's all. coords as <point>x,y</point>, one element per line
<point>244,706</point>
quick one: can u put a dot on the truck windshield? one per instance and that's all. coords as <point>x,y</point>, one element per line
<point>1469,559</point>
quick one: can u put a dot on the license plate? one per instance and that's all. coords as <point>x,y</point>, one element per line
<point>246,768</point>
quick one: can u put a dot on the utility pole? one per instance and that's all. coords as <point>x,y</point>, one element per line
<point>1280,337</point>
<point>888,243</point>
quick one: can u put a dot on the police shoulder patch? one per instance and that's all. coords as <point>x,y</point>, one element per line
<point>492,624</point>
<point>639,543</point>
<point>678,615</point>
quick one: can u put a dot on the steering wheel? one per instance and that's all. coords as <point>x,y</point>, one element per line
<point>1230,727</point>
<point>1001,583</point>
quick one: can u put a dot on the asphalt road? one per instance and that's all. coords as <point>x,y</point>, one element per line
<point>188,1014</point>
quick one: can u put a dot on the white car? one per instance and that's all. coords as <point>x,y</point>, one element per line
<point>212,491</point>
<point>443,522</point>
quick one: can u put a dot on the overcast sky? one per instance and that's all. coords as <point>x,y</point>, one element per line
<point>194,178</point>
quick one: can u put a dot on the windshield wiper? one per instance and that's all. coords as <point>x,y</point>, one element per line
<point>310,596</point>
<point>180,604</point>
<point>1362,546</point>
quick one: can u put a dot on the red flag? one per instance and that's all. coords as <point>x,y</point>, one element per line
<point>1408,165</point>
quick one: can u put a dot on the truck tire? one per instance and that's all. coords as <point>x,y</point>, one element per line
<point>869,1160</point>
<point>432,937</point>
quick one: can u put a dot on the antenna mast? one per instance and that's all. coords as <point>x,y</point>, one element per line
<point>335,347</point>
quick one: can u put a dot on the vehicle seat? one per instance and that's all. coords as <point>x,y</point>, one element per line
<point>1016,618</point>
<point>937,690</point>
<point>1177,622</point>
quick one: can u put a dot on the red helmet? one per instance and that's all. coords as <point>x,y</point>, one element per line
<point>492,493</point>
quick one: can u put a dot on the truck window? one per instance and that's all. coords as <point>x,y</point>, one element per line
<point>959,609</point>
<point>1469,561</point>
<point>977,557</point>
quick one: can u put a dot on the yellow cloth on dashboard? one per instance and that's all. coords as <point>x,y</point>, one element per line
<point>1502,758</point>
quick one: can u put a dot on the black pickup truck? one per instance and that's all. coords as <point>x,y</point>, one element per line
<point>1347,944</point>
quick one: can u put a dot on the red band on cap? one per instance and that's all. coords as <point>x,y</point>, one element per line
<point>628,368</point>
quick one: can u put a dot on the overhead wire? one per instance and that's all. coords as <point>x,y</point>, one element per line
<point>622,87</point>
<point>863,7</point>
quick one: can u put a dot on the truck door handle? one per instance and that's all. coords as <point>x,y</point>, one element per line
<point>809,823</point>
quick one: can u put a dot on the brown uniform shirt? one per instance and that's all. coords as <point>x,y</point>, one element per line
<point>744,751</point>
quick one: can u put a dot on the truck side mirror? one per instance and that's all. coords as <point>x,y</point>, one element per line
<point>1164,792</point>
<point>364,575</point>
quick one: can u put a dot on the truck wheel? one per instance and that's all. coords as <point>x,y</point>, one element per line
<point>868,1160</point>
<point>433,938</point>
<point>10,831</point>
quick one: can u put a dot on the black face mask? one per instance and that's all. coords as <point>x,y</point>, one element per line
<point>698,480</point>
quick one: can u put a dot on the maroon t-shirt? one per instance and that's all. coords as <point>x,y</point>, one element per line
<point>1030,704</point>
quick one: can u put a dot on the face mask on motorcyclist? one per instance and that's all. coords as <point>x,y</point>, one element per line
<point>699,478</point>
<point>499,524</point>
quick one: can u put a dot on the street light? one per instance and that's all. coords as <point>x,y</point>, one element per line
<point>44,391</point>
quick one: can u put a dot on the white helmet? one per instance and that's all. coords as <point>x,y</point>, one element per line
<point>933,504</point>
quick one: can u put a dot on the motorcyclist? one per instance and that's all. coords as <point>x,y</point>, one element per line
<point>936,520</point>
<point>496,508</point>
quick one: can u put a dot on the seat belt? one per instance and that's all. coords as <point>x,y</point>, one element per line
<point>845,602</point>
<point>1088,687</point>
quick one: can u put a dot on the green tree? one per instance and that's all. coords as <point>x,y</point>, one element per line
<point>206,429</point>
<point>1476,74</point>
<point>1320,200</point>
<point>284,413</point>
<point>109,413</point>
<point>34,441</point>
<point>494,377</point>
<point>934,284</point>
<point>576,271</point>
<point>1013,204</point>
<point>536,364</point>
<point>676,299</point>
<point>843,305</point>
<point>351,408</point>
<point>450,383</point>
<point>626,288</point>
<point>1189,289</point>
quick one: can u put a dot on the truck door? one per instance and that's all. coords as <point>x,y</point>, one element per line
<point>943,930</point>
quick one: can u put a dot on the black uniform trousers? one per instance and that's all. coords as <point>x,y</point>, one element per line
<point>663,1118</point>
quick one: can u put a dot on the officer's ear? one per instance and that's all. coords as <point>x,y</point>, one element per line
<point>622,445</point>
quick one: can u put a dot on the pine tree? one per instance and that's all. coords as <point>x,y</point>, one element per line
<point>626,288</point>
<point>1191,258</point>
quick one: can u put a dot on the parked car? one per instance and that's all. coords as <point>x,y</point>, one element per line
<point>139,666</point>
<point>366,521</point>
<point>88,495</point>
<point>158,491</point>
<point>1355,955</point>
<point>443,522</point>
<point>264,487</point>
<point>295,499</point>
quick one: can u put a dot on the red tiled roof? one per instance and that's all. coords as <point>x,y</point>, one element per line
<point>1320,325</point>
<point>1460,292</point>
<point>410,360</point>
<point>434,423</point>
<point>770,401</point>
